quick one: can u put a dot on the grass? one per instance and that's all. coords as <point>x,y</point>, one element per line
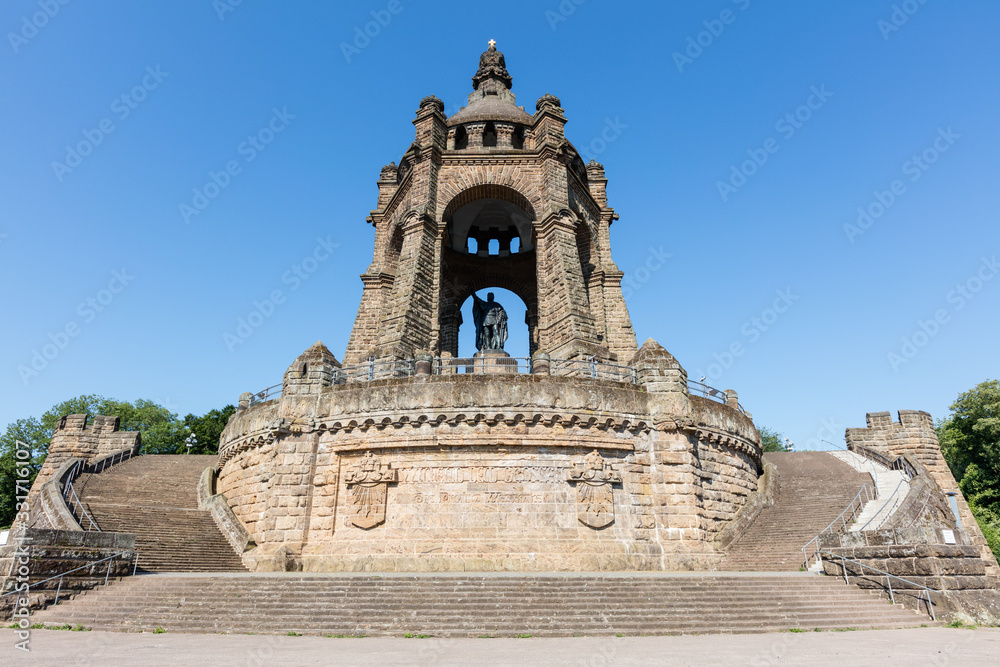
<point>347,636</point>
<point>158,630</point>
<point>619,634</point>
<point>522,636</point>
<point>962,625</point>
<point>796,630</point>
<point>292,633</point>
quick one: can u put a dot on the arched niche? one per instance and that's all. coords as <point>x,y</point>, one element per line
<point>487,213</point>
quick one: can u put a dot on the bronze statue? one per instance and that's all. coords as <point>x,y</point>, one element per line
<point>491,323</point>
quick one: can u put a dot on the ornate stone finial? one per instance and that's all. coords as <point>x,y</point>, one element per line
<point>547,101</point>
<point>432,102</point>
<point>389,172</point>
<point>492,66</point>
<point>595,166</point>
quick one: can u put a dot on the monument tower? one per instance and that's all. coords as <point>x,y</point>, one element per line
<point>492,174</point>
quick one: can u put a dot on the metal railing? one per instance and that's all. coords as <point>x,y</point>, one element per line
<point>845,519</point>
<point>272,392</point>
<point>72,498</point>
<point>375,370</point>
<point>480,365</point>
<point>74,505</point>
<point>717,395</point>
<point>894,501</point>
<point>590,367</point>
<point>872,469</point>
<point>107,575</point>
<point>899,463</point>
<point>888,580</point>
<point>597,370</point>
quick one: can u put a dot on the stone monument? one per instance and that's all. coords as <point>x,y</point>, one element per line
<point>592,455</point>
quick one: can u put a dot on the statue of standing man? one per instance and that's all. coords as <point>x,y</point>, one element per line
<point>491,323</point>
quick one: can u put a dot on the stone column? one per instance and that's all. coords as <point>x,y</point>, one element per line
<point>504,133</point>
<point>475,131</point>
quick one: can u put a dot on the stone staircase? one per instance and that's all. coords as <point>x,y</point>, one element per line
<point>892,487</point>
<point>813,489</point>
<point>155,497</point>
<point>474,605</point>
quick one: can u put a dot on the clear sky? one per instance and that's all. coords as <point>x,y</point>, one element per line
<point>740,140</point>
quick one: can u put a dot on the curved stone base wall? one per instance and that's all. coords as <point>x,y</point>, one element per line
<point>518,473</point>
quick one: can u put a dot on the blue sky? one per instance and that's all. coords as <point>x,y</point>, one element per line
<point>98,259</point>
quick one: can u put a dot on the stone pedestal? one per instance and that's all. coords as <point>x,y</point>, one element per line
<point>492,361</point>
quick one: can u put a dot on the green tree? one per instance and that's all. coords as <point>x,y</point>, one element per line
<point>970,442</point>
<point>772,441</point>
<point>208,428</point>
<point>30,432</point>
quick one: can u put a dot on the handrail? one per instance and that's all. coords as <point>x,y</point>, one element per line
<point>871,462</point>
<point>854,513</point>
<point>83,510</point>
<point>711,393</point>
<point>892,597</point>
<point>266,394</point>
<point>69,494</point>
<point>885,505</point>
<point>107,575</point>
<point>899,463</point>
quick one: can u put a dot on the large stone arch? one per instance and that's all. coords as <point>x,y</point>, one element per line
<point>463,273</point>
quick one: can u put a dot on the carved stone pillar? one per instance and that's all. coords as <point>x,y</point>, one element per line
<point>505,131</point>
<point>475,131</point>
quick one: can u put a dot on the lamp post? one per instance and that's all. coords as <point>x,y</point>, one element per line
<point>190,442</point>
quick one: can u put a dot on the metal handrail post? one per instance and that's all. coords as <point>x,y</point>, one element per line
<point>58,590</point>
<point>843,564</point>
<point>135,563</point>
<point>108,574</point>
<point>888,582</point>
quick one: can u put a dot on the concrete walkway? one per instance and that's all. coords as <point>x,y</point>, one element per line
<point>919,646</point>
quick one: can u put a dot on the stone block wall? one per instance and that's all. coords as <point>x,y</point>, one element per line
<point>489,472</point>
<point>957,573</point>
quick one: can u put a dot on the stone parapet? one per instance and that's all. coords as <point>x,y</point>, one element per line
<point>475,472</point>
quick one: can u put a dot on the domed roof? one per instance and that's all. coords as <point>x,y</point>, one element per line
<point>492,98</point>
<point>491,107</point>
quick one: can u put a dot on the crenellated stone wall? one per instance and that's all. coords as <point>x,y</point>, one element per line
<point>914,434</point>
<point>73,438</point>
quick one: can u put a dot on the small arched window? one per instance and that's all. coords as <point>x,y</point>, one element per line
<point>461,138</point>
<point>489,136</point>
<point>517,139</point>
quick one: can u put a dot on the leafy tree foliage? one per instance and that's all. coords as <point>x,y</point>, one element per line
<point>30,432</point>
<point>208,428</point>
<point>772,441</point>
<point>161,430</point>
<point>970,442</point>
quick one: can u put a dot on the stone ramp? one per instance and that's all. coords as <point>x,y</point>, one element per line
<point>155,497</point>
<point>474,605</point>
<point>813,489</point>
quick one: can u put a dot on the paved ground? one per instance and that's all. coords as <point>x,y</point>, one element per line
<point>920,646</point>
